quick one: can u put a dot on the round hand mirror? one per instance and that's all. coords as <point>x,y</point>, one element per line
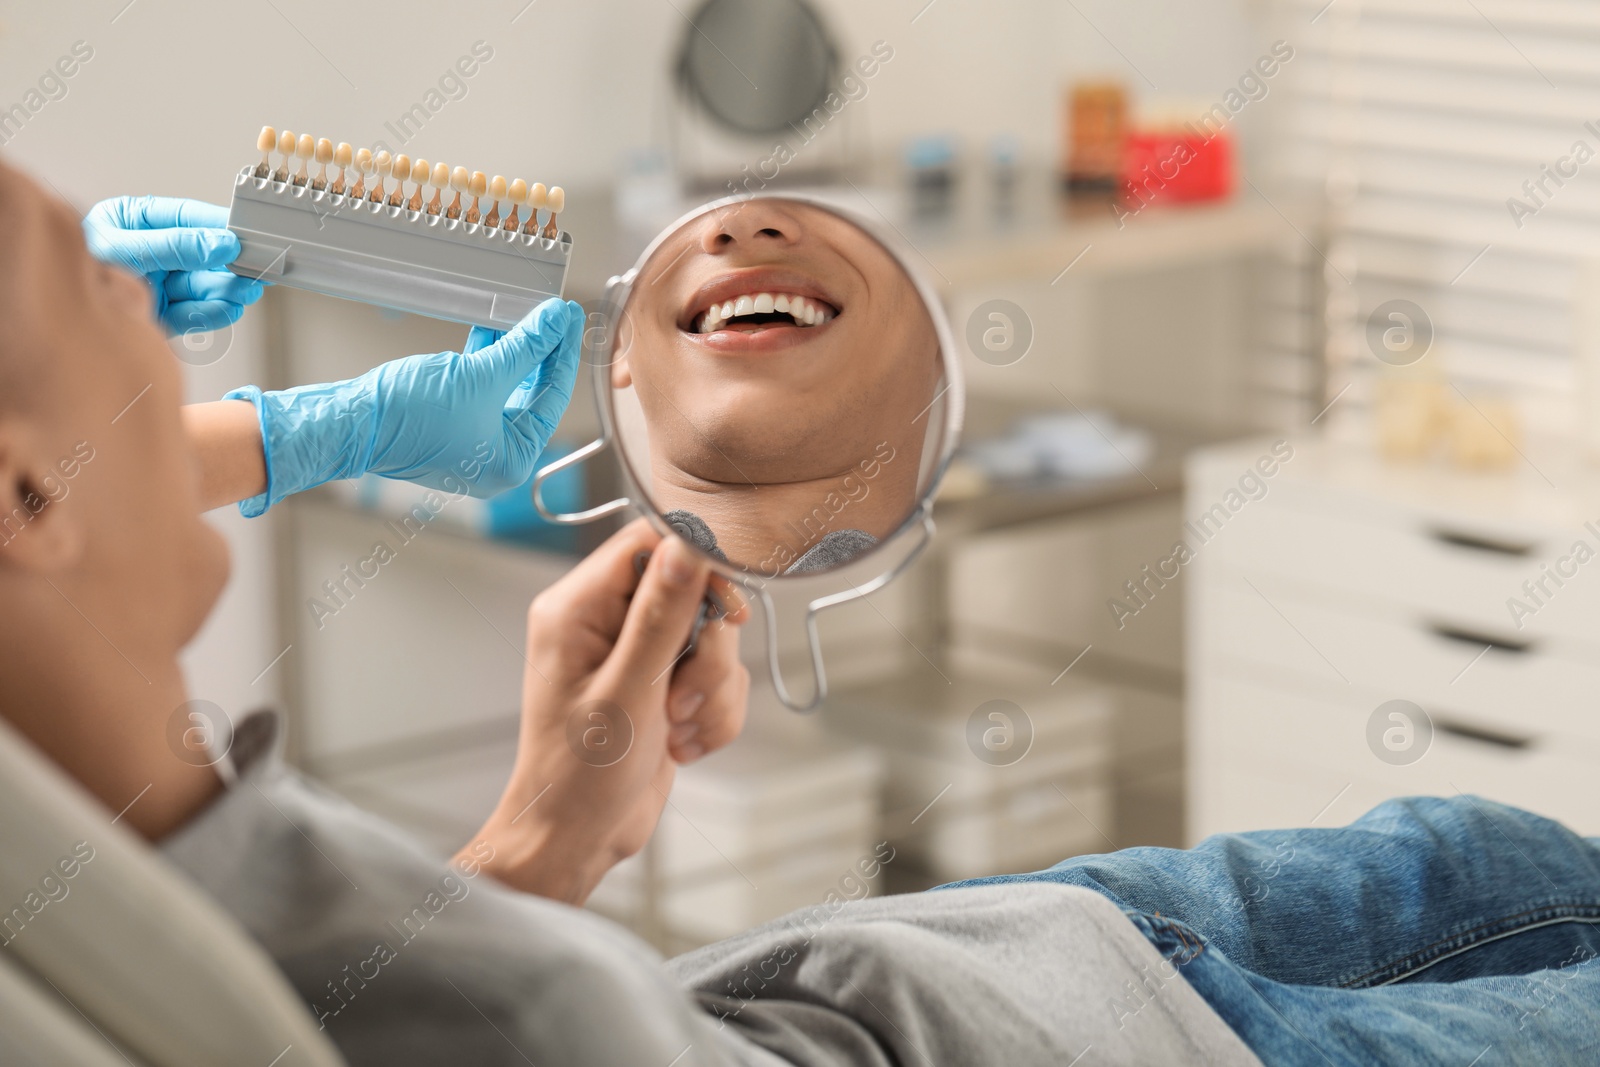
<point>783,392</point>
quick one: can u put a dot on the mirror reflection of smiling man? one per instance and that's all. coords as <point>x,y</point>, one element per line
<point>777,425</point>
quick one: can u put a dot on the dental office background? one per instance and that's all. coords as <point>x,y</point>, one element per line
<point>1279,490</point>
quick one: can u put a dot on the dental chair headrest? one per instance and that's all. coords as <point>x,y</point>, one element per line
<point>98,929</point>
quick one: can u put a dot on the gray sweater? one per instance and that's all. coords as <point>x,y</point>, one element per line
<point>406,960</point>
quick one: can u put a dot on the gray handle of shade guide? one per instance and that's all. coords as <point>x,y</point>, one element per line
<point>392,257</point>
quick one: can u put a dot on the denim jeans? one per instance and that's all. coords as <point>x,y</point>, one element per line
<point>1429,931</point>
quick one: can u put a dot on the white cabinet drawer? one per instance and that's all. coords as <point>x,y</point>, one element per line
<point>1412,561</point>
<point>1045,585</point>
<point>1265,756</point>
<point>1548,691</point>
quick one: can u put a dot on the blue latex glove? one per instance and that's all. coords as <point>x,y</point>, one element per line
<point>180,247</point>
<point>469,422</point>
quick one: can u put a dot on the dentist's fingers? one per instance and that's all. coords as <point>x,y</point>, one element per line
<point>160,212</point>
<point>201,315</point>
<point>479,338</point>
<point>515,354</point>
<point>223,285</point>
<point>543,398</point>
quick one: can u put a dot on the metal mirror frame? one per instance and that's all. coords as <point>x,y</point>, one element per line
<point>910,537</point>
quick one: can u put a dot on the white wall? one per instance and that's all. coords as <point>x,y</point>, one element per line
<point>177,89</point>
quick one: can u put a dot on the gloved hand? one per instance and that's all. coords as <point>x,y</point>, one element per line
<point>469,422</point>
<point>180,247</point>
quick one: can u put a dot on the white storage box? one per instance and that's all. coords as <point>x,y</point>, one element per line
<point>757,830</point>
<point>960,809</point>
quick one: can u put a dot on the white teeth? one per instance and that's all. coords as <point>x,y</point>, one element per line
<point>804,312</point>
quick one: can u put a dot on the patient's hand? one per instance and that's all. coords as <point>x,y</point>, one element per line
<point>606,716</point>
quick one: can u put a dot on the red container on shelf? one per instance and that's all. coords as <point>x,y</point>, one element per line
<point>1176,165</point>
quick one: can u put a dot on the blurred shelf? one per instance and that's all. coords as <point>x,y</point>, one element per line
<point>1009,503</point>
<point>1071,239</point>
<point>1035,235</point>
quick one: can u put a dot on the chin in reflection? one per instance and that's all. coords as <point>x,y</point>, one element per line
<point>785,367</point>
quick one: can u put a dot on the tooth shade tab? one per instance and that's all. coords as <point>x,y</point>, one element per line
<point>305,148</point>
<point>265,143</point>
<point>400,167</point>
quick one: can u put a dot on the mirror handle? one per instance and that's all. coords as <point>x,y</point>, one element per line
<point>819,691</point>
<point>571,459</point>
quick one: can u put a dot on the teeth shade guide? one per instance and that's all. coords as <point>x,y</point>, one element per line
<point>374,227</point>
<point>359,174</point>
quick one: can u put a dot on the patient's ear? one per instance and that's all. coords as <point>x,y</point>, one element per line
<point>621,377</point>
<point>36,532</point>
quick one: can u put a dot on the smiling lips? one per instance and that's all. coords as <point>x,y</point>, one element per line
<point>754,312</point>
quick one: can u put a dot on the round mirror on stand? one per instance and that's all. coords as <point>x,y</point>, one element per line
<point>756,66</point>
<point>783,392</point>
<point>751,74</point>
